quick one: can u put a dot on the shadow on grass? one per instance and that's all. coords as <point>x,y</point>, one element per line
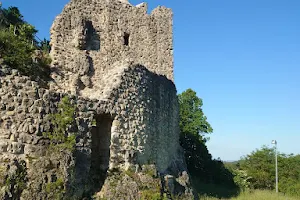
<point>214,190</point>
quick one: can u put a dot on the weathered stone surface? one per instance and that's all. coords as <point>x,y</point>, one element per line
<point>91,38</point>
<point>115,63</point>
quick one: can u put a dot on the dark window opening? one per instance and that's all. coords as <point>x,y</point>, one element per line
<point>92,38</point>
<point>126,39</point>
<point>101,136</point>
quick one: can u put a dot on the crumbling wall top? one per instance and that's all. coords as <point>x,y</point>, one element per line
<point>90,37</point>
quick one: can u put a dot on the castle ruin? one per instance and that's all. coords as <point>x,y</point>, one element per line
<point>115,61</point>
<point>91,40</point>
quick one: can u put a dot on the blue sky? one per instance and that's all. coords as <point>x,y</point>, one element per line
<point>241,57</point>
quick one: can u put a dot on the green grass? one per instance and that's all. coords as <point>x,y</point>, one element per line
<point>257,195</point>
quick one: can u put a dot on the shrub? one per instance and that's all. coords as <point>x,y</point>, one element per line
<point>56,189</point>
<point>17,52</point>
<point>241,179</point>
<point>59,138</point>
<point>18,45</point>
<point>151,195</point>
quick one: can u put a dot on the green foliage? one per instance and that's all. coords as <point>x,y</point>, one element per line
<point>15,52</point>
<point>59,139</point>
<point>16,182</point>
<point>289,186</point>
<point>25,31</point>
<point>55,190</point>
<point>130,173</point>
<point>241,179</point>
<point>12,19</point>
<point>204,170</point>
<point>149,170</point>
<point>151,195</point>
<point>45,45</point>
<point>260,168</point>
<point>192,124</point>
<point>18,54</point>
<point>289,174</point>
<point>196,154</point>
<point>192,118</point>
<point>17,45</point>
<point>94,122</point>
<point>10,16</point>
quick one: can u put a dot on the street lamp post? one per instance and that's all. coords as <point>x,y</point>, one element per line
<point>276,164</point>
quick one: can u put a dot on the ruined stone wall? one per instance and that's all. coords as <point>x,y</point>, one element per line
<point>89,37</point>
<point>144,127</point>
<point>24,111</point>
<point>115,63</point>
<point>23,108</point>
<point>145,122</point>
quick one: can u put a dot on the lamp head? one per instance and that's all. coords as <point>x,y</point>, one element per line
<point>274,142</point>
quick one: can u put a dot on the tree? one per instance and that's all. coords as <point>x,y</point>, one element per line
<point>208,174</point>
<point>260,167</point>
<point>192,118</point>
<point>12,19</point>
<point>26,32</point>
<point>193,125</point>
<point>18,46</point>
<point>15,52</point>
<point>44,45</point>
<point>10,16</point>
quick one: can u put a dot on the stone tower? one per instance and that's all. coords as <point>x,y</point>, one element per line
<point>91,38</point>
<point>115,62</point>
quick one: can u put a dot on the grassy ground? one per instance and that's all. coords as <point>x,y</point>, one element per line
<point>257,195</point>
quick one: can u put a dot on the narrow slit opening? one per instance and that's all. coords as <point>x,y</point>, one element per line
<point>126,39</point>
